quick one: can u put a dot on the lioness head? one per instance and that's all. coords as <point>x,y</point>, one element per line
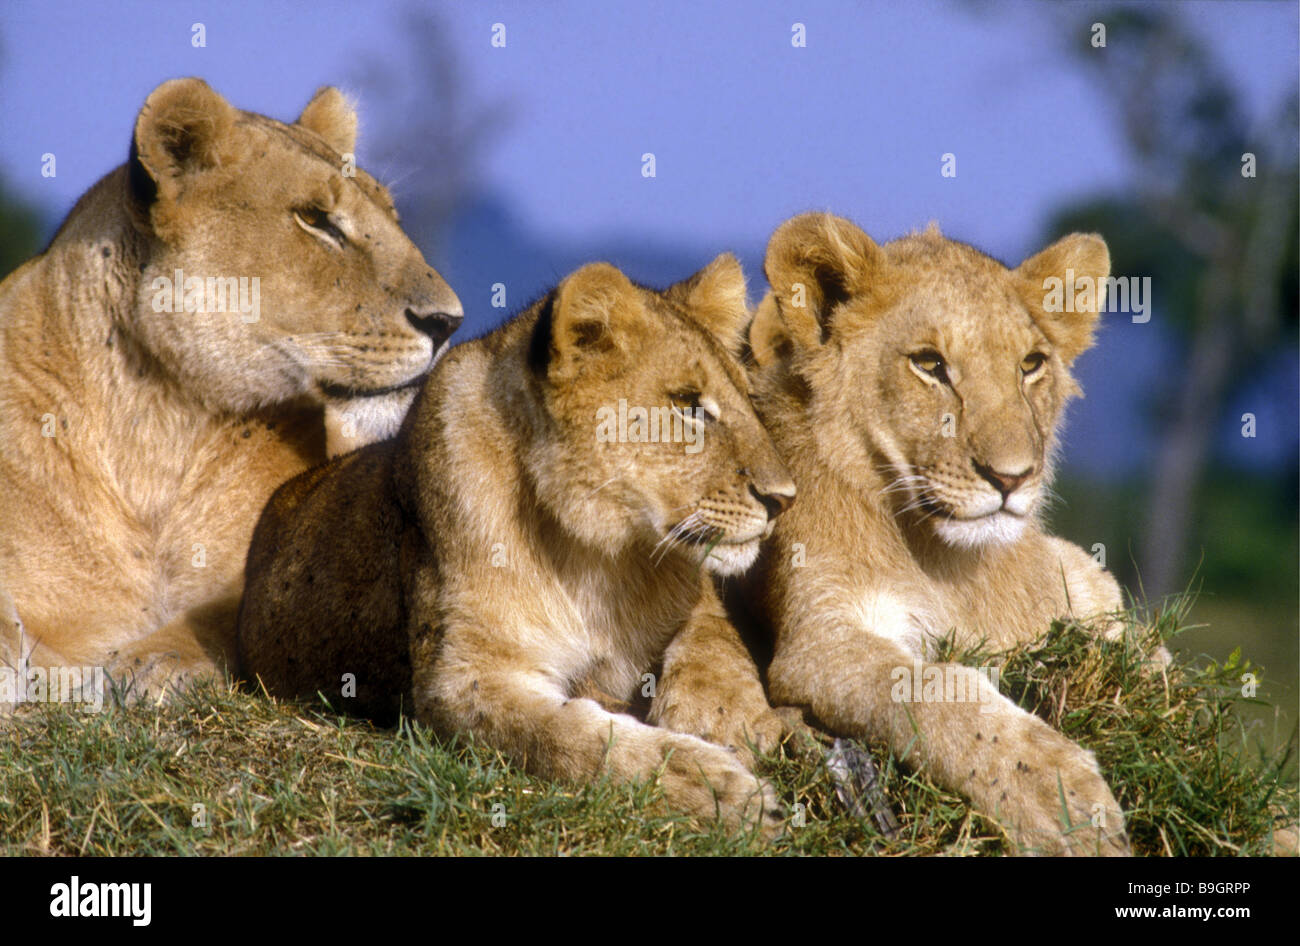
<point>654,437</point>
<point>275,268</point>
<point>943,365</point>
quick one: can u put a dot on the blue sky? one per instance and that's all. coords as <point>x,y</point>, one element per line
<point>745,128</point>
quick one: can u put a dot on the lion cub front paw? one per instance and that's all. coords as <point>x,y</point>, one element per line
<point>739,719</point>
<point>709,782</point>
<point>1053,800</point>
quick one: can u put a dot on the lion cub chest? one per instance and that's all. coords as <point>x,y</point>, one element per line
<point>627,617</point>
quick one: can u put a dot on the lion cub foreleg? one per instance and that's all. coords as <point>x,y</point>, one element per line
<point>710,686</point>
<point>1045,790</point>
<point>481,685</point>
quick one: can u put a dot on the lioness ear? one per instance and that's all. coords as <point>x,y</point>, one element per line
<point>598,315</point>
<point>332,117</point>
<point>1064,287</point>
<point>184,126</point>
<point>715,297</point>
<point>814,262</point>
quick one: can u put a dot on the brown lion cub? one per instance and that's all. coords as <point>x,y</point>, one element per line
<point>211,318</point>
<point>916,391</point>
<point>538,534</point>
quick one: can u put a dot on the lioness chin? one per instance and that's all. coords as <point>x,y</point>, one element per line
<point>532,552</point>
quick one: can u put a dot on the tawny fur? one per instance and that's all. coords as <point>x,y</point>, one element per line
<point>140,445</point>
<point>537,573</point>
<point>898,538</point>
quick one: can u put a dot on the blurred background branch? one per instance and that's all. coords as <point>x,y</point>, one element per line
<point>1220,248</point>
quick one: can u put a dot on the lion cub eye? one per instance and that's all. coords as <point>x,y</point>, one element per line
<point>1032,363</point>
<point>930,363</point>
<point>317,222</point>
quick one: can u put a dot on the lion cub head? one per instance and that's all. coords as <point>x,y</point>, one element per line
<point>275,268</point>
<point>936,364</point>
<point>651,434</point>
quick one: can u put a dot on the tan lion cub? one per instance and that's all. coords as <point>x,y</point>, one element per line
<point>528,543</point>
<point>916,391</point>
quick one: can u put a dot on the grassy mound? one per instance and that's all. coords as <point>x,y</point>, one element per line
<point>224,771</point>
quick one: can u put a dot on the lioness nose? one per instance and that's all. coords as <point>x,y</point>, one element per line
<point>435,322</point>
<point>775,499</point>
<point>1004,483</point>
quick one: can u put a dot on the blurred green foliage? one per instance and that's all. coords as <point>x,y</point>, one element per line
<point>20,230</point>
<point>1245,540</point>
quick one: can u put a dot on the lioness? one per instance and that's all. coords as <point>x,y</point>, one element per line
<point>169,360</point>
<point>916,390</point>
<point>538,538</point>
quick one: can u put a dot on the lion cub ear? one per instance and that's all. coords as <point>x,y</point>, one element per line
<point>715,298</point>
<point>597,318</point>
<point>768,340</point>
<point>1072,270</point>
<point>183,127</point>
<point>331,116</point>
<point>814,262</point>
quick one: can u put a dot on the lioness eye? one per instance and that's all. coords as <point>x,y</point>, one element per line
<point>931,362</point>
<point>315,219</point>
<point>1032,362</point>
<point>698,406</point>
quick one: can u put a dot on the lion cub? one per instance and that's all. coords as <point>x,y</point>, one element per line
<point>540,533</point>
<point>916,390</point>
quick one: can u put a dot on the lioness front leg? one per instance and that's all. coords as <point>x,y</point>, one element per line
<point>197,646</point>
<point>162,661</point>
<point>710,685</point>
<point>1045,790</point>
<point>526,715</point>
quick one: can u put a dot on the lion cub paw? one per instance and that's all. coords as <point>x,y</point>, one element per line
<point>709,782</point>
<point>1055,800</point>
<point>741,720</point>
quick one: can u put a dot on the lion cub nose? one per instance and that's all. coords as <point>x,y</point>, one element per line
<point>1004,483</point>
<point>434,322</point>
<point>775,499</point>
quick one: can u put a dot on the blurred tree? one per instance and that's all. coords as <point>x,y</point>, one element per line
<point>20,226</point>
<point>1220,247</point>
<point>431,135</point>
<point>20,229</point>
